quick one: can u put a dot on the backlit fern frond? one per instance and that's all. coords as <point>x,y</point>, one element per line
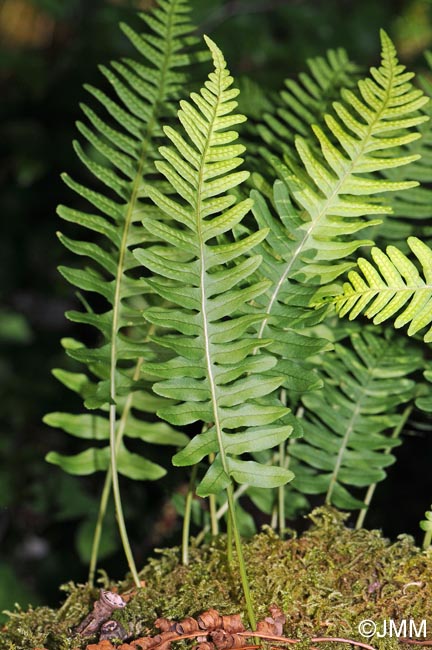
<point>305,100</point>
<point>347,424</point>
<point>214,374</point>
<point>390,286</point>
<point>145,93</point>
<point>332,186</point>
<point>411,210</point>
<point>312,236</point>
<point>125,138</point>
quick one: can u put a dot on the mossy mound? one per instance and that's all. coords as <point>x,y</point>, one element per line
<point>326,582</point>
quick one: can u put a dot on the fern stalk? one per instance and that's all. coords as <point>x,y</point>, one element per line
<point>371,489</point>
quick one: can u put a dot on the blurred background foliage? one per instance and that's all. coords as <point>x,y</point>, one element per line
<point>48,49</point>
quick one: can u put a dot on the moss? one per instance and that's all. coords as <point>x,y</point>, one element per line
<point>326,581</point>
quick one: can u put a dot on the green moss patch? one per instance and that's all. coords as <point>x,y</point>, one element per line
<point>326,582</point>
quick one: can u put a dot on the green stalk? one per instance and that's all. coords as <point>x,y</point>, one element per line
<point>212,507</point>
<point>240,556</point>
<point>221,512</point>
<point>187,516</point>
<point>281,493</point>
<point>281,488</point>
<point>108,478</point>
<point>98,528</point>
<point>371,489</point>
<point>214,520</point>
<point>229,541</point>
<point>427,540</point>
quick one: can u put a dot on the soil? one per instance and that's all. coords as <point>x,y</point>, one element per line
<point>326,582</point>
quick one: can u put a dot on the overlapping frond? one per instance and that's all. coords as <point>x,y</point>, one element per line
<point>286,303</point>
<point>332,187</point>
<point>213,375</point>
<point>304,101</point>
<point>390,286</point>
<point>125,138</point>
<point>317,208</point>
<point>348,424</point>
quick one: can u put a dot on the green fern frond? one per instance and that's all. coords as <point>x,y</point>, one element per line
<point>330,186</point>
<point>311,238</point>
<point>390,286</point>
<point>286,303</point>
<point>346,424</point>
<point>125,139</point>
<point>411,209</point>
<point>214,375</point>
<point>145,90</point>
<point>305,101</point>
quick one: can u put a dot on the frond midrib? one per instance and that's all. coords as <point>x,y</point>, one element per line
<point>207,350</point>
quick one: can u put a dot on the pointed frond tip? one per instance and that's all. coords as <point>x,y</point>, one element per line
<point>218,57</point>
<point>390,285</point>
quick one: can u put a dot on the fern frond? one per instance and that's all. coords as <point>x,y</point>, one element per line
<point>145,94</point>
<point>412,209</point>
<point>311,239</point>
<point>346,424</point>
<point>286,303</point>
<point>305,101</point>
<point>213,375</point>
<point>125,139</point>
<point>390,286</point>
<point>330,186</point>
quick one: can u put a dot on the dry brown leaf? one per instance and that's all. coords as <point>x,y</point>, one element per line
<point>102,645</point>
<point>165,624</point>
<point>233,623</point>
<point>210,620</point>
<point>187,625</point>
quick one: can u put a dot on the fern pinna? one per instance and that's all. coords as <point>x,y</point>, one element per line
<point>213,374</point>
<point>128,145</point>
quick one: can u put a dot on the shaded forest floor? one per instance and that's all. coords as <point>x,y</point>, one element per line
<point>326,582</point>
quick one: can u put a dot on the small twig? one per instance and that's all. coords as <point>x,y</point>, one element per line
<point>414,641</point>
<point>315,639</point>
<point>283,639</point>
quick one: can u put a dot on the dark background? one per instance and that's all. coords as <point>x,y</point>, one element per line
<point>49,48</point>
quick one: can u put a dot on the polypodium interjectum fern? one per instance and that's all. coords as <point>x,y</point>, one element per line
<point>146,91</point>
<point>347,425</point>
<point>213,375</point>
<point>362,137</point>
<point>319,210</point>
